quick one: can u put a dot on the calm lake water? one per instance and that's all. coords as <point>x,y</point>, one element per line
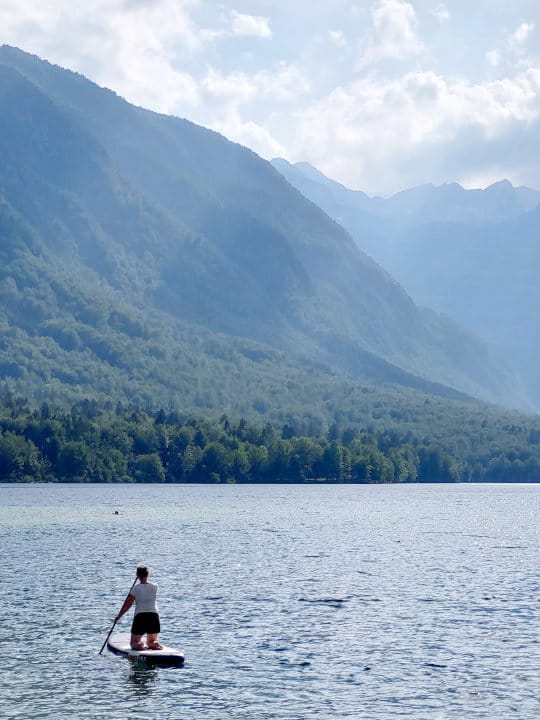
<point>290,602</point>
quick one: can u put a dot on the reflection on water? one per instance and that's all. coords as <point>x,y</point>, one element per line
<point>290,602</point>
<point>143,679</point>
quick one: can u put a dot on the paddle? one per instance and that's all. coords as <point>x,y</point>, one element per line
<point>114,623</point>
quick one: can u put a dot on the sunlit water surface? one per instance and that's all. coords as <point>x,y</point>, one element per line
<point>290,602</point>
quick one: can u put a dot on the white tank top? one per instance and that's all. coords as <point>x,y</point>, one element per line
<point>145,597</point>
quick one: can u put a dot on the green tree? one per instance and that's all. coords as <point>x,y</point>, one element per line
<point>435,465</point>
<point>258,458</point>
<point>330,465</point>
<point>215,463</point>
<point>20,460</point>
<point>73,463</point>
<point>190,463</point>
<point>240,465</point>
<point>148,468</point>
<point>305,453</point>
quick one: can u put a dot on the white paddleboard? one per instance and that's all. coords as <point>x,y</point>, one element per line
<point>119,644</point>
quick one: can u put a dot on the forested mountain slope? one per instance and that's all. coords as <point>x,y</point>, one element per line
<point>146,255</point>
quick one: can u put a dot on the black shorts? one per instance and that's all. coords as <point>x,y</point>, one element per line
<point>146,622</point>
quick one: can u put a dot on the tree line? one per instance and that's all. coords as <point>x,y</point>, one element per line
<point>93,444</point>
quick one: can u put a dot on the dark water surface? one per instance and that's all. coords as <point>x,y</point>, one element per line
<point>290,602</point>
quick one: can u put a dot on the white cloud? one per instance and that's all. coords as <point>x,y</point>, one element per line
<point>142,47</point>
<point>441,13</point>
<point>515,52</point>
<point>235,88</point>
<point>250,25</point>
<point>493,58</point>
<point>285,83</point>
<point>250,134</point>
<point>518,44</point>
<point>299,96</point>
<point>394,33</point>
<point>337,37</point>
<point>235,24</point>
<point>232,102</point>
<point>519,38</point>
<point>137,47</point>
<point>130,47</point>
<point>373,132</point>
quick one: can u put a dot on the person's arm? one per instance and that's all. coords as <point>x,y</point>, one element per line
<point>128,602</point>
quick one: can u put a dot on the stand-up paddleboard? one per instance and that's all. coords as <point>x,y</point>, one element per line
<point>119,644</point>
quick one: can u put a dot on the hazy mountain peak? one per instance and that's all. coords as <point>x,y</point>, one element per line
<point>501,188</point>
<point>501,185</point>
<point>303,173</point>
<point>307,169</point>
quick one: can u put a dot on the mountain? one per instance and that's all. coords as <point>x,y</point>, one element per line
<point>144,255</point>
<point>426,203</point>
<point>471,254</point>
<point>453,203</point>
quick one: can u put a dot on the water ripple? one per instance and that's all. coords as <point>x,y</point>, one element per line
<point>291,603</point>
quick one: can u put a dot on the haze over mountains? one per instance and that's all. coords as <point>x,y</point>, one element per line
<point>143,255</point>
<point>472,254</point>
<point>428,203</point>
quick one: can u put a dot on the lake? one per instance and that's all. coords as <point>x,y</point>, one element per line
<point>290,602</point>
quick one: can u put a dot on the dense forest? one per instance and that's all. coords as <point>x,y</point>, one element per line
<point>93,443</point>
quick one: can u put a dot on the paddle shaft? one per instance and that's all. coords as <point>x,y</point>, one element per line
<point>114,623</point>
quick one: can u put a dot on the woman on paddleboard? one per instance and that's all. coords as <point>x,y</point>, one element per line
<point>146,618</point>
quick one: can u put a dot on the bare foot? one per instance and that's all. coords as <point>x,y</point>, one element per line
<point>139,646</point>
<point>155,646</point>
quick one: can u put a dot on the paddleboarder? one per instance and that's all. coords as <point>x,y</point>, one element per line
<point>146,618</point>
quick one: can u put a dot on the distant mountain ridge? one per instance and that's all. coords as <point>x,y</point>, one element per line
<point>472,254</point>
<point>128,225</point>
<point>451,202</point>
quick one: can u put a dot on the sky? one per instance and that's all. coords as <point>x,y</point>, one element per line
<point>380,95</point>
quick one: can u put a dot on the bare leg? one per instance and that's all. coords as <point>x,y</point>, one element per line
<point>136,642</point>
<point>152,642</point>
